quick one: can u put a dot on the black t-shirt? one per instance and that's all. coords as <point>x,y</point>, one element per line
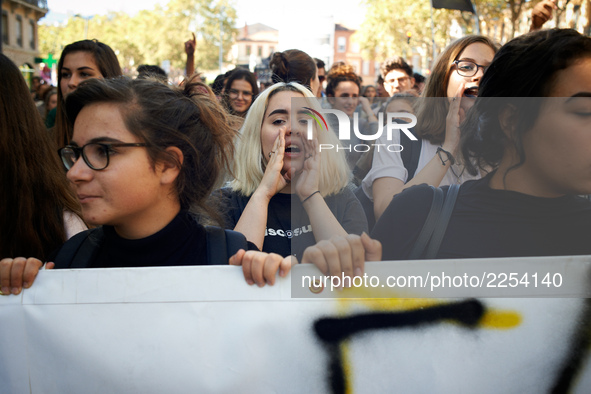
<point>288,227</point>
<point>489,223</point>
<point>182,242</point>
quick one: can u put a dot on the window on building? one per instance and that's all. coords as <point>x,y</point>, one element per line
<point>32,34</point>
<point>5,28</point>
<point>271,50</point>
<point>19,31</point>
<point>248,49</point>
<point>365,69</point>
<point>260,51</point>
<point>342,44</point>
<point>356,66</point>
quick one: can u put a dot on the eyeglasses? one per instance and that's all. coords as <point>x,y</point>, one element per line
<point>95,155</point>
<point>401,80</point>
<point>235,93</point>
<point>467,68</point>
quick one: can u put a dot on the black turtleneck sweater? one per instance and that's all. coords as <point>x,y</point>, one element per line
<point>182,242</point>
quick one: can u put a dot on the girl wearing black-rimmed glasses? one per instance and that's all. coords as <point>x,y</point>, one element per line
<point>240,92</point>
<point>142,155</point>
<point>448,94</point>
<point>143,160</point>
<point>530,127</point>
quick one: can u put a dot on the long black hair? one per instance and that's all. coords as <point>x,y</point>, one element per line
<point>525,67</point>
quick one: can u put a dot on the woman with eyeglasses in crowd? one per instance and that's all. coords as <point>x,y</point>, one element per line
<point>240,91</point>
<point>143,160</point>
<point>448,94</point>
<point>529,128</point>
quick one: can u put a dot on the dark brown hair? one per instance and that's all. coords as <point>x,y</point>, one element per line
<point>108,65</point>
<point>395,63</point>
<point>162,116</point>
<point>338,73</point>
<point>35,191</point>
<point>239,74</point>
<point>293,65</point>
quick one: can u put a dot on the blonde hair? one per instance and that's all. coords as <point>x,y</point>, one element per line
<point>250,163</point>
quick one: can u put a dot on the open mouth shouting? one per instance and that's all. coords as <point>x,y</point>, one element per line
<point>293,149</point>
<point>471,92</point>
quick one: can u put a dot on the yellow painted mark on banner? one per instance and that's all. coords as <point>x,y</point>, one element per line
<point>491,319</point>
<point>500,320</point>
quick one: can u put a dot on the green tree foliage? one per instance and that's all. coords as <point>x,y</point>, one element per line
<point>491,14</point>
<point>387,22</point>
<point>515,6</point>
<point>151,36</point>
<point>384,30</point>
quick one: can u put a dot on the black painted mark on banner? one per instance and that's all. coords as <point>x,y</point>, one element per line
<point>576,357</point>
<point>333,331</point>
<point>337,329</point>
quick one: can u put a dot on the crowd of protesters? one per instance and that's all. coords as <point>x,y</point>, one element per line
<point>137,172</point>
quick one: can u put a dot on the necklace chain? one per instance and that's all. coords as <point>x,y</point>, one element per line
<point>451,167</point>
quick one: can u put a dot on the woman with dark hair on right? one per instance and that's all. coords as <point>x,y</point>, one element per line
<point>294,65</point>
<point>38,209</point>
<point>530,127</point>
<point>80,60</point>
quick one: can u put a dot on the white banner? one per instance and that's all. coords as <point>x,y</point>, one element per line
<point>204,330</point>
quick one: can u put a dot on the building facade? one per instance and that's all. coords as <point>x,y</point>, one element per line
<point>20,41</point>
<point>255,43</point>
<point>348,51</point>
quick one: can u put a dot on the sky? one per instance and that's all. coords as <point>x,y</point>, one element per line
<point>348,12</point>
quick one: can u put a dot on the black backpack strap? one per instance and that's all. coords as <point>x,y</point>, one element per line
<point>429,226</point>
<point>234,242</point>
<point>216,245</point>
<point>79,251</point>
<point>367,206</point>
<point>441,226</point>
<point>223,244</point>
<point>410,154</point>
